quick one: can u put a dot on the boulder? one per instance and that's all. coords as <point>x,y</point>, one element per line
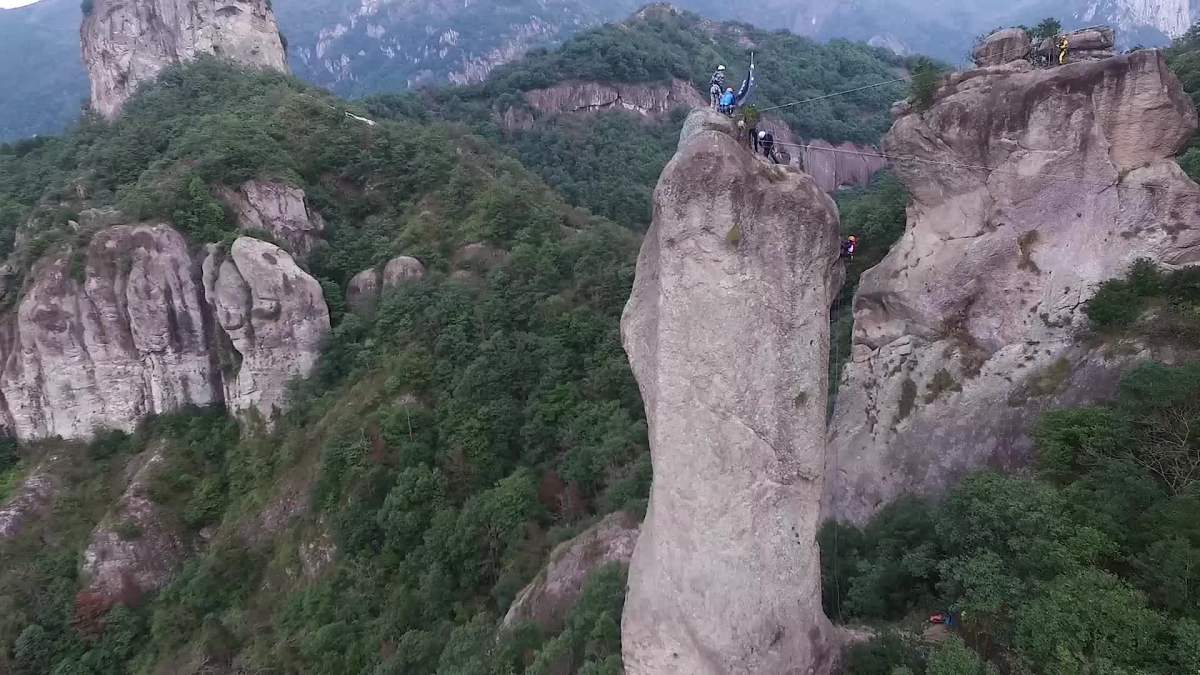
<point>968,328</point>
<point>402,269</point>
<point>274,317</point>
<point>727,330</point>
<point>549,598</point>
<point>127,42</point>
<point>1010,44</point>
<point>278,209</point>
<point>362,295</point>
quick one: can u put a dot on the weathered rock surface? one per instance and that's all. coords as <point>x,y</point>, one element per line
<point>548,599</point>
<point>274,316</point>
<point>30,499</point>
<point>105,337</point>
<point>727,332</point>
<point>137,548</point>
<point>126,42</point>
<point>122,338</point>
<point>278,209</point>
<point>362,293</point>
<point>648,100</point>
<point>1010,44</point>
<point>366,287</point>
<point>967,330</point>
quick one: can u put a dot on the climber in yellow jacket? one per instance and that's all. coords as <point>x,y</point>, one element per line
<point>1064,46</point>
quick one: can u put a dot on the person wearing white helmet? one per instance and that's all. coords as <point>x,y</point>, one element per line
<point>766,143</point>
<point>718,86</point>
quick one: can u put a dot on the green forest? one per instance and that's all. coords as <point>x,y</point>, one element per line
<point>610,163</point>
<point>448,442</point>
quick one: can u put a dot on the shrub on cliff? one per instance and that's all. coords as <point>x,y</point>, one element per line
<point>1093,565</point>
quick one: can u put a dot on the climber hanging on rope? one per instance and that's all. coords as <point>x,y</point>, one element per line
<point>717,86</point>
<point>849,247</point>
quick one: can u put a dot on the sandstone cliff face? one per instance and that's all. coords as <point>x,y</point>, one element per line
<point>274,316</point>
<point>126,42</point>
<point>548,599</point>
<point>727,332</point>
<point>123,339</point>
<point>831,167</point>
<point>649,100</point>
<point>967,330</point>
<point>278,209</point>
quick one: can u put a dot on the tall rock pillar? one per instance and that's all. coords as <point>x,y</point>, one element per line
<point>728,334</point>
<point>126,42</point>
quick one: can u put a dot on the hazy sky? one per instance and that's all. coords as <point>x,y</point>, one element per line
<point>15,3</point>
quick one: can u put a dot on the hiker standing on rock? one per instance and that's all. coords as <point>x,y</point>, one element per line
<point>718,86</point>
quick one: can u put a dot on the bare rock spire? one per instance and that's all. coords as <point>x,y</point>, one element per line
<point>728,334</point>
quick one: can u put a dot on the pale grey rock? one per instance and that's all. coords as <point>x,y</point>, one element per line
<point>366,287</point>
<point>402,269</point>
<point>727,331</point>
<point>1009,44</point>
<point>362,293</point>
<point>102,347</point>
<point>126,42</point>
<point>274,316</point>
<point>29,500</point>
<point>647,100</point>
<point>278,209</point>
<point>548,599</point>
<point>968,329</point>
<point>138,547</point>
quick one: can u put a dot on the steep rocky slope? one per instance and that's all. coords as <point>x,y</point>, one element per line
<point>126,42</point>
<point>727,330</point>
<point>1028,189</point>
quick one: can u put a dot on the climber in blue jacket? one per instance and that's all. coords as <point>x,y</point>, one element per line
<point>727,101</point>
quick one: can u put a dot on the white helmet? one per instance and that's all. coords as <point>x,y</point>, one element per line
<point>762,134</point>
<point>720,68</point>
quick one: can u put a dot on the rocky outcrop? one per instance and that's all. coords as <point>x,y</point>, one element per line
<point>137,548</point>
<point>126,42</point>
<point>648,100</point>
<point>107,336</point>
<point>1083,45</point>
<point>274,316</point>
<point>367,286</point>
<point>278,209</point>
<point>1010,44</point>
<point>548,599</point>
<point>727,332</point>
<point>967,330</point>
<point>29,500</point>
